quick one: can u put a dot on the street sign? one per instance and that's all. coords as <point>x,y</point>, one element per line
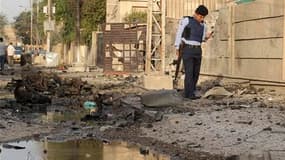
<point>49,25</point>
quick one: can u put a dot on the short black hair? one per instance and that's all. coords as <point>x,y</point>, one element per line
<point>202,10</point>
<point>1,39</point>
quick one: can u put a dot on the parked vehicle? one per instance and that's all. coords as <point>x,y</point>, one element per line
<point>42,52</point>
<point>18,54</point>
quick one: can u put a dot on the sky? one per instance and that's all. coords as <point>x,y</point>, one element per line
<point>12,8</point>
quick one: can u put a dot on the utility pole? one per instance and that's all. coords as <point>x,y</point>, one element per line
<point>37,23</point>
<point>283,61</point>
<point>1,4</point>
<point>31,39</point>
<point>77,31</point>
<point>49,10</point>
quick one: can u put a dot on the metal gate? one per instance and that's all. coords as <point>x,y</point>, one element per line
<point>124,46</point>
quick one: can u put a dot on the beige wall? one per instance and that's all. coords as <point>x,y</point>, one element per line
<point>118,9</point>
<point>249,43</point>
<point>112,11</point>
<point>126,7</point>
<point>179,8</point>
<point>248,40</point>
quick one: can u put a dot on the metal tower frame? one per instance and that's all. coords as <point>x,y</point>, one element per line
<point>155,40</point>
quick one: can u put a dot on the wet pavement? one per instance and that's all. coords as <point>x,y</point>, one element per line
<point>76,149</point>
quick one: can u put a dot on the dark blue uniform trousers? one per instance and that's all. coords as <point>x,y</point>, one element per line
<point>2,62</point>
<point>192,58</point>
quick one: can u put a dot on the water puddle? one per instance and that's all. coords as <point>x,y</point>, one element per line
<point>52,116</point>
<point>75,150</point>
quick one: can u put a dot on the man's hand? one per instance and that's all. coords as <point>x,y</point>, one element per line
<point>177,52</point>
<point>209,35</point>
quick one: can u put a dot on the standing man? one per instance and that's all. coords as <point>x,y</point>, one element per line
<point>191,33</point>
<point>10,54</point>
<point>2,54</point>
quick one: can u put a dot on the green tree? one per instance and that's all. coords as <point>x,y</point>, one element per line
<point>3,22</point>
<point>65,17</point>
<point>39,18</point>
<point>136,17</point>
<point>93,13</point>
<point>22,26</point>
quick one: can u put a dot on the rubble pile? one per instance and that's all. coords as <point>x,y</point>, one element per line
<point>117,103</point>
<point>39,87</point>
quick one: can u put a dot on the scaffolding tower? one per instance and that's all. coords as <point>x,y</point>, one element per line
<point>155,41</point>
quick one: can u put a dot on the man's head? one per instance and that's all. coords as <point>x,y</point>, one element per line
<point>1,39</point>
<point>201,12</point>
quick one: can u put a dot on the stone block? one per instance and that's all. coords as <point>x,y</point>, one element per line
<point>161,98</point>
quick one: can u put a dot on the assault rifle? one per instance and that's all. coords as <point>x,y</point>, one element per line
<point>177,62</point>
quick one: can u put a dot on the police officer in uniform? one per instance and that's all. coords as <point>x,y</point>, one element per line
<point>190,34</point>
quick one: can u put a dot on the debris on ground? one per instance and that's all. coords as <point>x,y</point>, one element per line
<point>230,121</point>
<point>162,98</point>
<point>217,93</point>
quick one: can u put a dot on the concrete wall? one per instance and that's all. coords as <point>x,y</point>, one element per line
<point>112,11</point>
<point>249,43</point>
<point>216,52</point>
<point>179,8</point>
<point>248,39</point>
<point>118,9</point>
<point>127,7</point>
